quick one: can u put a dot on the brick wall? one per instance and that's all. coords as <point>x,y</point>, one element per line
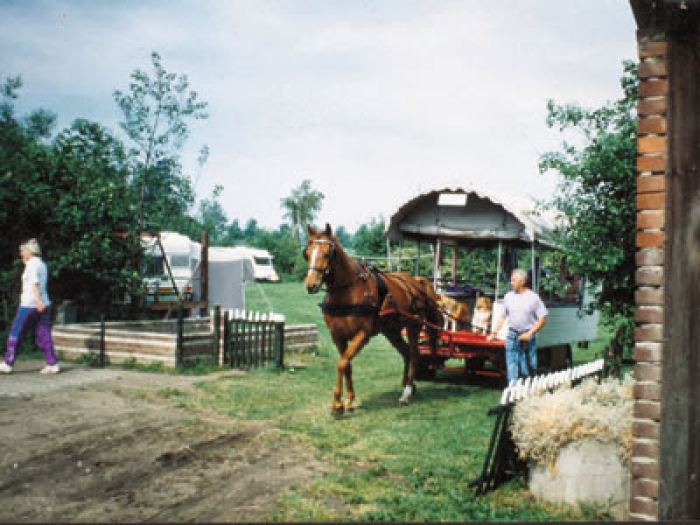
<point>651,220</point>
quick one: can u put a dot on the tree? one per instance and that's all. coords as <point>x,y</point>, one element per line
<point>24,164</point>
<point>301,207</point>
<point>213,217</point>
<point>73,194</point>
<point>94,253</point>
<point>596,197</point>
<point>342,235</point>
<point>369,239</point>
<point>156,112</point>
<point>251,231</point>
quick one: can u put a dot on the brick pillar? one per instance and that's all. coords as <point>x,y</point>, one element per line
<point>651,219</point>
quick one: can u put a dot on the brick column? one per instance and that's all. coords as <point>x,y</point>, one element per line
<point>651,219</point>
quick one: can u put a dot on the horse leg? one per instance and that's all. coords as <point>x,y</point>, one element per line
<point>398,342</point>
<point>413,335</point>
<point>347,350</point>
<point>349,389</point>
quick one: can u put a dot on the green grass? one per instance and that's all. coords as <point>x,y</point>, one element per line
<point>389,463</point>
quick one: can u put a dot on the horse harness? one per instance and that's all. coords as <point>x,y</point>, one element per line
<point>370,308</point>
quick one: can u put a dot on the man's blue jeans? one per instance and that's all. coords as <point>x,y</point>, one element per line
<point>516,358</point>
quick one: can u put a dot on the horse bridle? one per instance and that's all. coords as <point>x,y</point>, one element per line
<point>327,269</point>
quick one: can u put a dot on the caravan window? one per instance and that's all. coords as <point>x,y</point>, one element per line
<point>180,261</point>
<point>262,261</point>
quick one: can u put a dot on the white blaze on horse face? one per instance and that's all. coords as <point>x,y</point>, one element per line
<point>313,276</point>
<point>312,259</point>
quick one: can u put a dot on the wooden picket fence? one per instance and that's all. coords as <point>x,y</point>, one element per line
<point>249,339</point>
<point>502,462</point>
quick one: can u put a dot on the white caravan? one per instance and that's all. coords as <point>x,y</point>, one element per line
<point>229,270</point>
<point>182,256</point>
<point>263,269</point>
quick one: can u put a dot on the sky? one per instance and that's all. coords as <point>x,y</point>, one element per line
<point>373,101</point>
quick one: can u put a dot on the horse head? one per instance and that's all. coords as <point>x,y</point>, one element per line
<point>319,252</point>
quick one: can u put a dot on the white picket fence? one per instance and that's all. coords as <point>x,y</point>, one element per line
<point>521,388</point>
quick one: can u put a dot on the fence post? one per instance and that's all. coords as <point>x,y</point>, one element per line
<point>226,350</point>
<point>234,340</point>
<point>279,350</point>
<point>102,340</point>
<point>264,339</point>
<point>180,337</point>
<point>248,340</point>
<point>217,332</point>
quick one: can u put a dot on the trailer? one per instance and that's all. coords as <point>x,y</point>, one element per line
<point>179,270</point>
<point>462,221</point>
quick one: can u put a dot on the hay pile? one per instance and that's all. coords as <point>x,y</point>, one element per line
<point>542,424</point>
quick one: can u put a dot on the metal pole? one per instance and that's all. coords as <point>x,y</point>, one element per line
<point>388,254</point>
<point>436,263</point>
<point>498,270</point>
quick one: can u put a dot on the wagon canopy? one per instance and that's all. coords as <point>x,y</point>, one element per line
<point>472,216</point>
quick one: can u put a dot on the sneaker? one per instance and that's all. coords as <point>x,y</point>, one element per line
<point>5,368</point>
<point>50,369</point>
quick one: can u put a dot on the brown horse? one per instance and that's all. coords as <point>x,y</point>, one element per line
<point>361,302</point>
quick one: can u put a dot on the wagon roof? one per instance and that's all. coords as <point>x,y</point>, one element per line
<point>472,215</point>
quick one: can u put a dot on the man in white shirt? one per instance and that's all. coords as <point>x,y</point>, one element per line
<point>526,315</point>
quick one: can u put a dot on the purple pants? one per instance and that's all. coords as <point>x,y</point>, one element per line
<point>25,320</point>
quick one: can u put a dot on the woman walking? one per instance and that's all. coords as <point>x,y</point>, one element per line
<point>34,311</point>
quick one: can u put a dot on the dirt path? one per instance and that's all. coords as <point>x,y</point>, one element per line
<point>92,445</point>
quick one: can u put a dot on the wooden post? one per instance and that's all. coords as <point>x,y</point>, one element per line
<point>279,327</point>
<point>204,272</point>
<point>234,344</point>
<point>102,340</point>
<point>679,469</point>
<point>226,357</point>
<point>179,337</point>
<point>256,342</point>
<point>665,482</point>
<point>217,332</point>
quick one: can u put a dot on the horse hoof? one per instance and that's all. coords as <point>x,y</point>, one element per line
<point>337,413</point>
<point>403,402</point>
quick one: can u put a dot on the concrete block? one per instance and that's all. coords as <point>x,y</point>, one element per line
<point>586,471</point>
